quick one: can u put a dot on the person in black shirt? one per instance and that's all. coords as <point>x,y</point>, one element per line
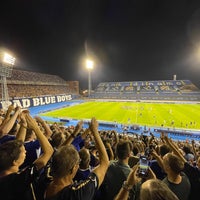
<point>192,172</point>
<point>64,166</point>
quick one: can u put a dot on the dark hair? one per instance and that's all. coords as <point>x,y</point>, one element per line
<point>135,150</point>
<point>29,133</point>
<point>9,152</point>
<point>174,162</point>
<point>57,139</point>
<point>85,158</point>
<point>124,148</point>
<point>186,149</point>
<point>164,149</point>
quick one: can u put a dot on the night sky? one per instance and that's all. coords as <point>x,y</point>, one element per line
<point>129,40</point>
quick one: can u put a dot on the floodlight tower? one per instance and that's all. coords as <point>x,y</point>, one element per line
<point>89,66</point>
<point>6,65</point>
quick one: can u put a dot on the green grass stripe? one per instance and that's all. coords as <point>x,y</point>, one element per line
<point>150,114</point>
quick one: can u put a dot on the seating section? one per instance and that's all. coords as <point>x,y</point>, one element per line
<point>31,84</point>
<point>168,90</point>
<point>28,76</point>
<point>24,83</point>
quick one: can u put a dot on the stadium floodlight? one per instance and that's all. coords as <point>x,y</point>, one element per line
<point>8,59</point>
<point>6,65</point>
<point>89,66</point>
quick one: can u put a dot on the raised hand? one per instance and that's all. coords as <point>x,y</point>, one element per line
<point>78,127</point>
<point>31,122</point>
<point>94,125</point>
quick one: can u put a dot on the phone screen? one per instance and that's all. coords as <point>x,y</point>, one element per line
<point>144,165</point>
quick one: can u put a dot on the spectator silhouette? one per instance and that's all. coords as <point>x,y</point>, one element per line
<point>176,180</point>
<point>84,166</point>
<point>192,172</point>
<point>154,163</point>
<point>117,172</point>
<point>65,163</point>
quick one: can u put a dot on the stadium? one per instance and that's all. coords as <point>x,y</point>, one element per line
<point>132,107</point>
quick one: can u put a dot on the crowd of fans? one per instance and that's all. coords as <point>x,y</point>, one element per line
<point>34,90</point>
<point>22,75</point>
<point>33,84</point>
<point>39,160</point>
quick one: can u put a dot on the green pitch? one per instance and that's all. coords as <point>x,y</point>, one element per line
<point>150,114</point>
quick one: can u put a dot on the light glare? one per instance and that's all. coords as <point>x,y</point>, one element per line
<point>8,59</point>
<point>89,64</point>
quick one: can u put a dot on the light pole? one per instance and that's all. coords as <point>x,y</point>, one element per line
<point>6,65</point>
<point>89,66</point>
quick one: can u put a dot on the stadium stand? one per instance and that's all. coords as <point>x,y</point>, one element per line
<point>35,90</point>
<point>164,90</point>
<point>32,84</point>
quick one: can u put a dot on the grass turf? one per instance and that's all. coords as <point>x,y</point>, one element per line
<point>150,114</point>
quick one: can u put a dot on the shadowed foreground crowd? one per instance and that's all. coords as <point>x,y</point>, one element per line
<point>42,161</point>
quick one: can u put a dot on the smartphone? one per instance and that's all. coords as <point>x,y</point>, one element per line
<point>143,166</point>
